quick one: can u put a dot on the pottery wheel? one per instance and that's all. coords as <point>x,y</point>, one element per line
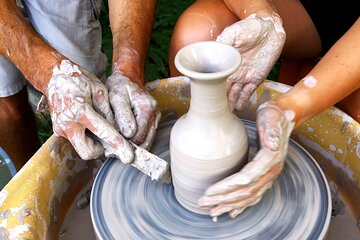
<point>126,204</point>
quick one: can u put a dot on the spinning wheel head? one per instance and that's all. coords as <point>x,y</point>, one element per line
<point>126,204</point>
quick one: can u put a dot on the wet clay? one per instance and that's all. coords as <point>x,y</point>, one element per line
<point>208,143</point>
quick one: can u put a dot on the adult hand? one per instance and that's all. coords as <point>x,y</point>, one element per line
<point>79,101</point>
<point>246,188</point>
<point>260,40</point>
<point>136,112</point>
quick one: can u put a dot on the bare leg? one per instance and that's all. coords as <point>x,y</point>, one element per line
<point>202,21</point>
<point>17,128</point>
<point>302,38</point>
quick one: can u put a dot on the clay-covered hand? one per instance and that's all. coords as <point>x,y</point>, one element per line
<point>79,101</point>
<point>136,112</point>
<point>246,188</point>
<point>260,40</point>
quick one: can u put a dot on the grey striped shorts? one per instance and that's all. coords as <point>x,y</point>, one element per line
<point>72,27</point>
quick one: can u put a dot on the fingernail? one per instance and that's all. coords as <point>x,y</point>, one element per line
<point>127,132</point>
<point>127,155</point>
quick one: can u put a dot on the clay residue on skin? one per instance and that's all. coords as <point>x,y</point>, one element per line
<point>275,18</point>
<point>73,95</point>
<point>213,23</point>
<point>289,115</point>
<point>67,68</point>
<point>309,81</point>
<point>267,37</point>
<point>135,112</point>
<point>235,193</point>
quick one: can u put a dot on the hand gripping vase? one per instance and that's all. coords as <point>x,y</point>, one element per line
<point>208,143</point>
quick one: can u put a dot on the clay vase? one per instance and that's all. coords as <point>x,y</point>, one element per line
<point>208,143</point>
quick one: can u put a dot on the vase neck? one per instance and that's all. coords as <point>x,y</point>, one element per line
<point>208,97</point>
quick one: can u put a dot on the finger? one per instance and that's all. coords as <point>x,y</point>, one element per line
<point>124,115</point>
<point>211,201</point>
<point>245,95</point>
<point>269,122</point>
<point>142,128</point>
<point>217,211</point>
<point>233,35</point>
<point>228,184</point>
<point>242,192</point>
<point>86,147</point>
<point>220,209</point>
<point>235,212</point>
<point>100,100</point>
<point>151,133</point>
<point>250,173</point>
<point>233,95</point>
<point>238,35</point>
<point>145,114</point>
<point>107,133</point>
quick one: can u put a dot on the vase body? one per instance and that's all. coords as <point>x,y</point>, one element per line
<point>208,143</point>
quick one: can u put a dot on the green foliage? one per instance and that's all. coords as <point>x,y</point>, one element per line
<point>166,15</point>
<point>274,73</point>
<point>44,127</point>
<point>107,43</point>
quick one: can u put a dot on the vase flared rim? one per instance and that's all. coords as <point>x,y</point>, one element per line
<point>222,56</point>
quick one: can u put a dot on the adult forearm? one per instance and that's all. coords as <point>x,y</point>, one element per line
<point>336,76</point>
<point>21,45</point>
<point>131,24</point>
